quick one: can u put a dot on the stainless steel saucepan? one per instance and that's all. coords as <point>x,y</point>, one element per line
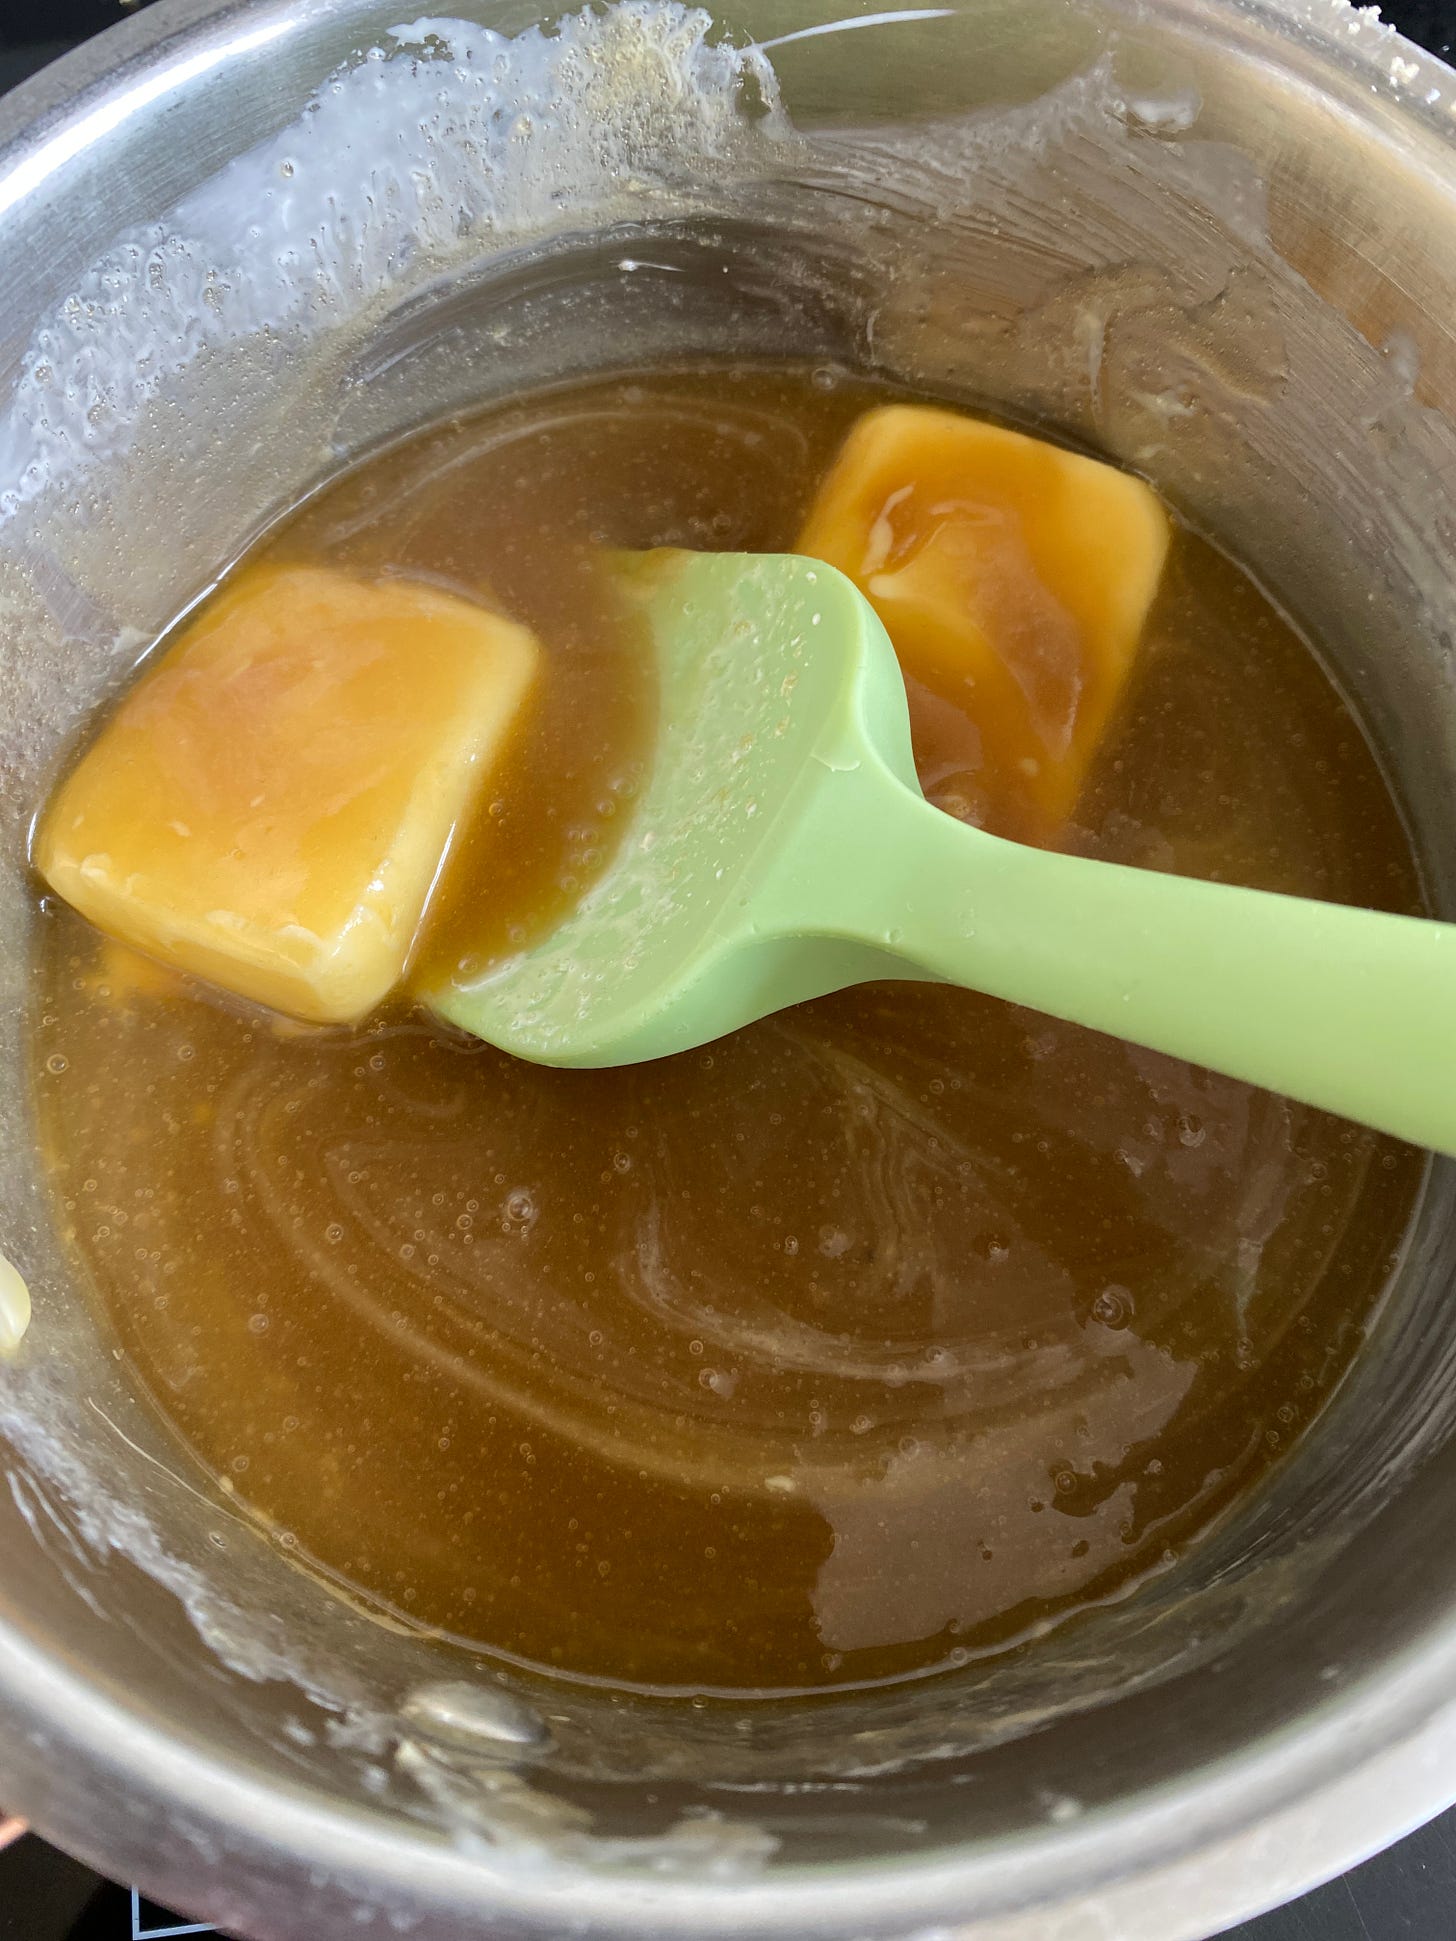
<point>241,240</point>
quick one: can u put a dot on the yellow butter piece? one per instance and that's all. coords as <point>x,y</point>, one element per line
<point>270,806</point>
<point>1014,579</point>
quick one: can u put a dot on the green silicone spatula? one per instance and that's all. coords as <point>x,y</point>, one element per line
<point>781,848</point>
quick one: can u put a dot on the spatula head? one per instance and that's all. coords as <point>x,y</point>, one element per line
<point>776,678</point>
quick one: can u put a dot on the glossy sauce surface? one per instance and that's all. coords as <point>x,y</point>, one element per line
<point>871,1337</point>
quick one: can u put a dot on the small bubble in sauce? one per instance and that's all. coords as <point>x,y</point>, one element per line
<point>1113,1307</point>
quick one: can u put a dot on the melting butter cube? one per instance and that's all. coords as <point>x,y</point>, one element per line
<point>1014,579</point>
<point>271,804</point>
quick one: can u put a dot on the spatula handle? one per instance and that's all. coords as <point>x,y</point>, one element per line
<point>1351,1010</point>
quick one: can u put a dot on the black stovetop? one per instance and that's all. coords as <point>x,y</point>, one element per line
<point>1406,1894</point>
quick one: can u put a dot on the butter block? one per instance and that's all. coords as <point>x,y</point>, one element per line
<point>1014,579</point>
<point>270,805</point>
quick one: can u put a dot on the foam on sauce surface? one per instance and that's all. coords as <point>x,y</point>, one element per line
<point>873,1336</point>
